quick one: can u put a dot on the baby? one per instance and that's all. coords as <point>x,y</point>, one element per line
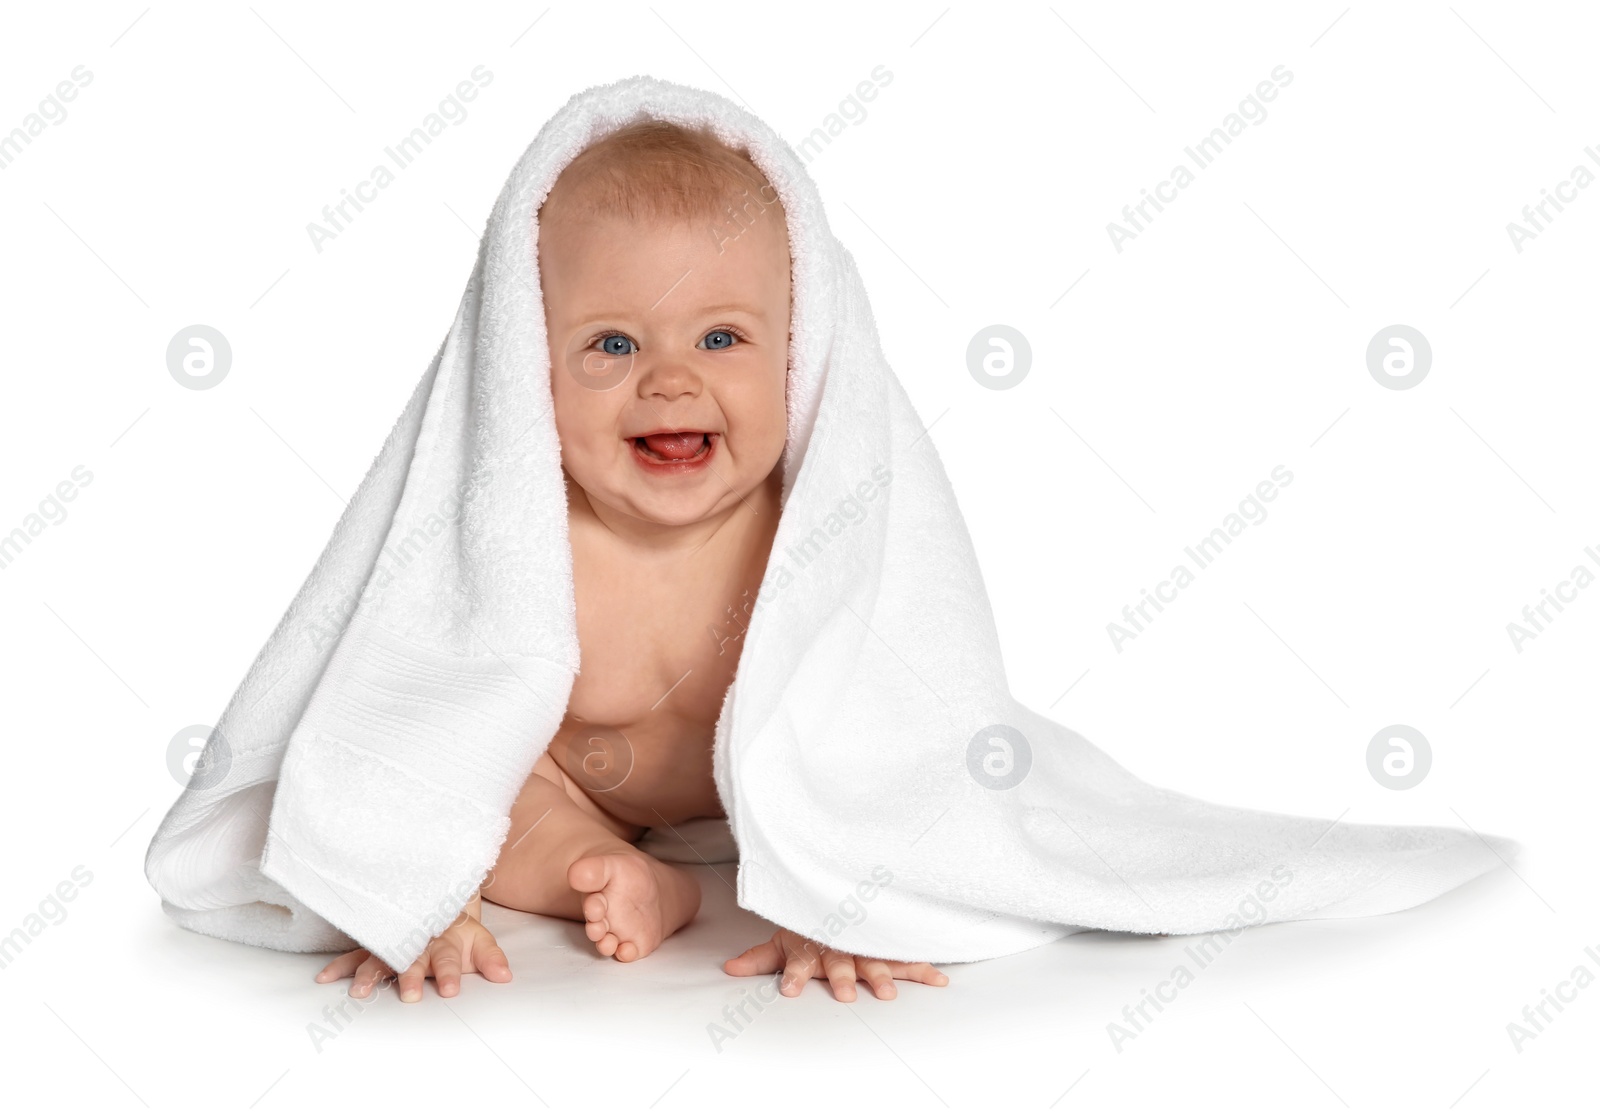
<point>668,324</point>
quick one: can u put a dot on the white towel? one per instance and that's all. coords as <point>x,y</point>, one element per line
<point>357,786</point>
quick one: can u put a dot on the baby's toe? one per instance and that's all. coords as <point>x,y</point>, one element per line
<point>587,873</point>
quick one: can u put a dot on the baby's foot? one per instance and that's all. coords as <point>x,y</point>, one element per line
<point>634,901</point>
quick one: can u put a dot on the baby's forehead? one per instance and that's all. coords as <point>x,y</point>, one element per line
<point>653,170</point>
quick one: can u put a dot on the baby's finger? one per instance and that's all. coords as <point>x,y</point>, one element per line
<point>411,980</point>
<point>877,974</point>
<point>764,958</point>
<point>841,970</point>
<point>446,958</point>
<point>342,966</point>
<point>919,971</point>
<point>490,960</point>
<point>799,968</point>
<point>367,973</point>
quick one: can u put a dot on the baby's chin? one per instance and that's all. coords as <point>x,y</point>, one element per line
<point>671,509</point>
<point>658,501</point>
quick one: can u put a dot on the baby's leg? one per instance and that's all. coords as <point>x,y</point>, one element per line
<point>565,856</point>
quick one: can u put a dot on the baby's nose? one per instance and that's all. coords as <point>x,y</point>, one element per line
<point>666,378</point>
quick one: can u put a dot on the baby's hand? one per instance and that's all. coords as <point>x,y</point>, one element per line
<point>466,947</point>
<point>801,959</point>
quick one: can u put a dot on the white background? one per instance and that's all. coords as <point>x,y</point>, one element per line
<point>1226,339</point>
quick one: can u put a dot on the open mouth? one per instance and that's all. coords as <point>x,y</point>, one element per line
<point>682,447</point>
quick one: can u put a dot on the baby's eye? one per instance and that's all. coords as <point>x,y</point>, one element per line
<point>615,344</point>
<point>719,339</point>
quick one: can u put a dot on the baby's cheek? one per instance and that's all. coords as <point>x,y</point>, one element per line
<point>774,425</point>
<point>768,411</point>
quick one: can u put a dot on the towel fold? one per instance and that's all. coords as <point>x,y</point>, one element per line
<point>883,788</point>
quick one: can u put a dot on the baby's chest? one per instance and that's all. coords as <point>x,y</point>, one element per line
<point>633,672</point>
<point>652,652</point>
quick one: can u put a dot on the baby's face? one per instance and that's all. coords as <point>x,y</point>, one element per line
<point>658,328</point>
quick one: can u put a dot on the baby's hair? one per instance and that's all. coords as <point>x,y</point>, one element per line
<point>657,170</point>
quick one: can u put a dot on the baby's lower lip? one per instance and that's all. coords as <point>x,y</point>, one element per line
<point>666,466</point>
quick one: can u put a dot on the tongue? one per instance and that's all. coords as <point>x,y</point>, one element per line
<point>676,446</point>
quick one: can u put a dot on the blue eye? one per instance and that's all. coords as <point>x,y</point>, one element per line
<point>609,345</point>
<point>719,339</point>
